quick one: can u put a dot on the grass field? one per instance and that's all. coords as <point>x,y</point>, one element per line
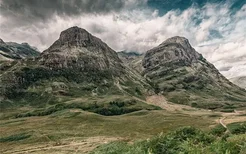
<point>70,130</point>
<point>76,125</point>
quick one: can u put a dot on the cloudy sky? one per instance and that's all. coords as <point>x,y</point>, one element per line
<point>215,28</point>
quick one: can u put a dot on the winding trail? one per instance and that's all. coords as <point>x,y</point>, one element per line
<point>222,122</point>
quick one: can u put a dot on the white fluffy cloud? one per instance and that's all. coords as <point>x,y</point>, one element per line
<point>213,30</point>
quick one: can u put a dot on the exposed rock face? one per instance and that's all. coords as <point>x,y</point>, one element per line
<point>175,49</point>
<point>76,48</point>
<point>11,51</point>
<point>181,73</point>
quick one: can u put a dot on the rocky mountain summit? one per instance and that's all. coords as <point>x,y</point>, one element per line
<point>76,48</point>
<point>174,49</point>
<point>11,51</point>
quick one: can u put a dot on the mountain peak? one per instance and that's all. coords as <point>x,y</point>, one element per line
<point>75,33</point>
<point>176,39</point>
<point>77,48</point>
<point>174,49</point>
<point>76,37</point>
<point>184,42</point>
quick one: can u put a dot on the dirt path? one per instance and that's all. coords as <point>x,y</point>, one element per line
<point>233,117</point>
<point>82,146</point>
<point>222,122</point>
<point>228,118</point>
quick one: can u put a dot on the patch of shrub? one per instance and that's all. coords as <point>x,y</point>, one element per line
<point>227,110</point>
<point>16,137</point>
<point>187,140</point>
<point>107,109</point>
<point>237,128</point>
<point>218,130</point>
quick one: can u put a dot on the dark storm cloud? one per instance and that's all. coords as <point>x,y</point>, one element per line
<point>44,9</point>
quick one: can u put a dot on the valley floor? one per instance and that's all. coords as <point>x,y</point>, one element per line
<point>78,131</point>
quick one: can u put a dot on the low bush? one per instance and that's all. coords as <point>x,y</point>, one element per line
<point>218,130</point>
<point>187,140</point>
<point>227,110</point>
<point>237,128</point>
<point>107,109</point>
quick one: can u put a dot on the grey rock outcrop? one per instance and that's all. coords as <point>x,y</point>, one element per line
<point>77,48</point>
<point>174,49</point>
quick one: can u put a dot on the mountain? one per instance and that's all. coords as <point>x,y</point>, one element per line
<point>239,81</point>
<point>184,76</point>
<point>81,71</point>
<point>11,51</point>
<point>77,66</point>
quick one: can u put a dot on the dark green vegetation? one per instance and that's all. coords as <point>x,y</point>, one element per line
<point>15,137</point>
<point>237,128</point>
<point>184,140</point>
<point>107,109</point>
<point>218,130</point>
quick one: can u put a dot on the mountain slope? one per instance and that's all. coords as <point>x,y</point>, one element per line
<point>239,81</point>
<point>77,66</point>
<point>11,51</point>
<point>185,77</point>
